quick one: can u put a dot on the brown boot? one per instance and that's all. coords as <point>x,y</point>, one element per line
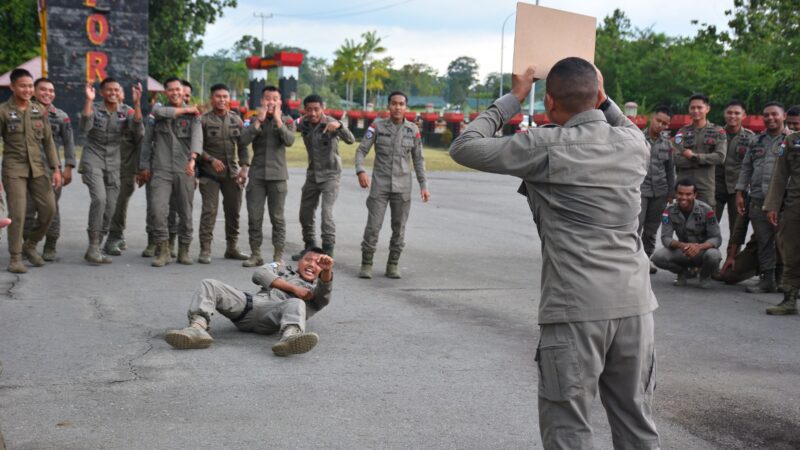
<point>150,251</point>
<point>93,254</point>
<point>255,259</point>
<point>392,265</point>
<point>205,253</point>
<point>183,255</point>
<point>231,252</point>
<point>15,265</point>
<point>49,252</point>
<point>30,253</point>
<point>366,265</point>
<point>163,258</point>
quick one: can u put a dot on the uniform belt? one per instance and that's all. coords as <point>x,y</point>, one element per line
<point>247,308</point>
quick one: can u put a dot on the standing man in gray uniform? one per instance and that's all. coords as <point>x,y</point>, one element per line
<point>582,181</point>
<point>397,142</point>
<point>44,91</point>
<point>727,175</point>
<point>105,123</point>
<point>286,300</point>
<point>321,136</point>
<point>660,180</point>
<point>270,135</point>
<point>168,162</point>
<point>219,171</point>
<point>756,174</point>
<point>129,151</point>
<point>699,148</point>
<point>698,238</point>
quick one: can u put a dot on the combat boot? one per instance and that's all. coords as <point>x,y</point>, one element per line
<point>173,249</point>
<point>122,244</point>
<point>112,247</point>
<point>765,285</point>
<point>188,338</point>
<point>255,259</point>
<point>15,264</point>
<point>277,255</point>
<point>308,245</point>
<point>30,253</point>
<point>183,254</point>
<point>787,306</point>
<point>49,251</point>
<point>328,249</point>
<point>392,269</point>
<point>163,257</point>
<point>205,253</point>
<point>366,265</point>
<point>681,278</point>
<point>93,254</point>
<point>150,251</point>
<point>294,341</point>
<point>232,252</point>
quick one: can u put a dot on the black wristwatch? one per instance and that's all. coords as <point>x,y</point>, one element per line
<point>605,105</point>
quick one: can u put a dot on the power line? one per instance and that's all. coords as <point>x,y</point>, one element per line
<point>343,12</point>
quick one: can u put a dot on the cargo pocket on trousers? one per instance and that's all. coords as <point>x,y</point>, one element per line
<point>559,372</point>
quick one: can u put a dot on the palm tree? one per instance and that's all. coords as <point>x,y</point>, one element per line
<point>346,66</point>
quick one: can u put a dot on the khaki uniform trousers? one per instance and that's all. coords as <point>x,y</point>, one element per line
<point>312,191</point>
<point>54,230</point>
<point>127,185</point>
<point>765,235</point>
<point>400,204</point>
<point>163,186</point>
<point>267,316</point>
<point>575,359</point>
<point>650,221</point>
<point>231,204</point>
<point>273,192</point>
<point>41,192</point>
<point>745,265</point>
<point>103,190</point>
<point>675,261</point>
<point>172,221</point>
<point>789,242</point>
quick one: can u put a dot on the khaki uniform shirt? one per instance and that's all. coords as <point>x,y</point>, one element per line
<point>660,178</point>
<point>758,164</point>
<point>395,147</point>
<point>269,149</point>
<point>324,162</point>
<point>25,133</point>
<point>171,141</point>
<point>222,139</point>
<point>267,274</point>
<point>582,182</point>
<point>700,227</point>
<point>104,131</point>
<point>709,145</point>
<point>61,126</point>
<point>786,177</point>
<point>727,175</point>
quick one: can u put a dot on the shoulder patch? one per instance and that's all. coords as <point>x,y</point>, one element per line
<point>370,132</point>
<point>711,217</point>
<point>782,149</point>
<point>665,217</point>
<point>679,138</point>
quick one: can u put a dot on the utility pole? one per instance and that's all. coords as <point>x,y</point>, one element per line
<point>263,17</point>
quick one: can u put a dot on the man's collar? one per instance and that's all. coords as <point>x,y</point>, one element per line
<point>591,115</point>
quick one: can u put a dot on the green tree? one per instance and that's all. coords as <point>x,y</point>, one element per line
<point>176,30</point>
<point>415,79</point>
<point>23,43</point>
<point>462,74</point>
<point>345,68</point>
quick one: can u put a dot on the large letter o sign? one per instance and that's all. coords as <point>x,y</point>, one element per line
<point>97,28</point>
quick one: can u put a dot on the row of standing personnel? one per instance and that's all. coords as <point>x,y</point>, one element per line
<point>176,150</point>
<point>753,175</point>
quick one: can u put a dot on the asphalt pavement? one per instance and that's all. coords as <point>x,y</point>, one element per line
<point>441,359</point>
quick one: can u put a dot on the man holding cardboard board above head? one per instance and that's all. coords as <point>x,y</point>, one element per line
<point>582,182</point>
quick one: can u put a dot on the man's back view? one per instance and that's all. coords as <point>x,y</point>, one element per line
<point>582,182</point>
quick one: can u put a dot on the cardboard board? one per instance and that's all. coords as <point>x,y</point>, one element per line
<point>545,36</point>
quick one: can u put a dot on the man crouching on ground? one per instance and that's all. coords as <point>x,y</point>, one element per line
<point>287,298</point>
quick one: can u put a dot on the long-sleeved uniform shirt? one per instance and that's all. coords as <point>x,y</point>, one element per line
<point>396,145</point>
<point>324,162</point>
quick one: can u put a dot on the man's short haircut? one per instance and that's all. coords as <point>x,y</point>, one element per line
<point>774,103</point>
<point>735,102</point>
<point>313,98</point>
<point>794,111</point>
<point>389,97</point>
<point>108,81</point>
<point>270,88</point>
<point>316,250</point>
<point>43,80</point>
<point>701,97</point>
<point>172,80</point>
<point>219,87</point>
<point>186,83</point>
<point>686,182</point>
<point>16,74</point>
<point>572,83</point>
<point>664,109</point>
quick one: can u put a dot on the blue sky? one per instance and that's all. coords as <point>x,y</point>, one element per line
<point>435,31</point>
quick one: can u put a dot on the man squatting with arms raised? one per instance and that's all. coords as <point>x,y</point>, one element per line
<point>287,298</point>
<point>582,182</point>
